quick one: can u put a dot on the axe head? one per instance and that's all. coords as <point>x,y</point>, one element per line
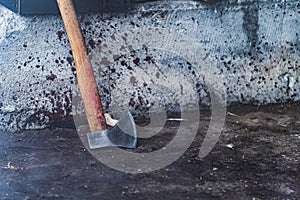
<point>123,134</point>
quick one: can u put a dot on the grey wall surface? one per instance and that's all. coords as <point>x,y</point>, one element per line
<point>254,45</point>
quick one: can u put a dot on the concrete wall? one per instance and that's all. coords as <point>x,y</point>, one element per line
<point>255,46</point>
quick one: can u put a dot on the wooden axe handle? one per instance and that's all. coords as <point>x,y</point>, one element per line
<point>84,70</point>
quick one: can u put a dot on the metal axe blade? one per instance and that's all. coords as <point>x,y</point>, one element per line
<point>123,134</point>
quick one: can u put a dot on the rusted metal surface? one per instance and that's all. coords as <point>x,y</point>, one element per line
<point>253,160</point>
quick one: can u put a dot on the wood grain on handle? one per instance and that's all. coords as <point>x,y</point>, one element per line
<point>85,76</point>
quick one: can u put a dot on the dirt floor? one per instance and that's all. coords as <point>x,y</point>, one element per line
<point>257,157</point>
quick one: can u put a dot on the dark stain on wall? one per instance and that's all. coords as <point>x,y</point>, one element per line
<point>250,24</point>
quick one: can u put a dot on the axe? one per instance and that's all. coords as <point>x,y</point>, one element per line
<point>123,133</point>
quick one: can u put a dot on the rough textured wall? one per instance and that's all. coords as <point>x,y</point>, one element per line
<point>254,44</point>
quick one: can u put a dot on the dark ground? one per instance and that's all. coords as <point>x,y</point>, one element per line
<point>257,157</point>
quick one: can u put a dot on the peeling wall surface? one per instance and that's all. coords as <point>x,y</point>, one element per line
<point>253,45</point>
